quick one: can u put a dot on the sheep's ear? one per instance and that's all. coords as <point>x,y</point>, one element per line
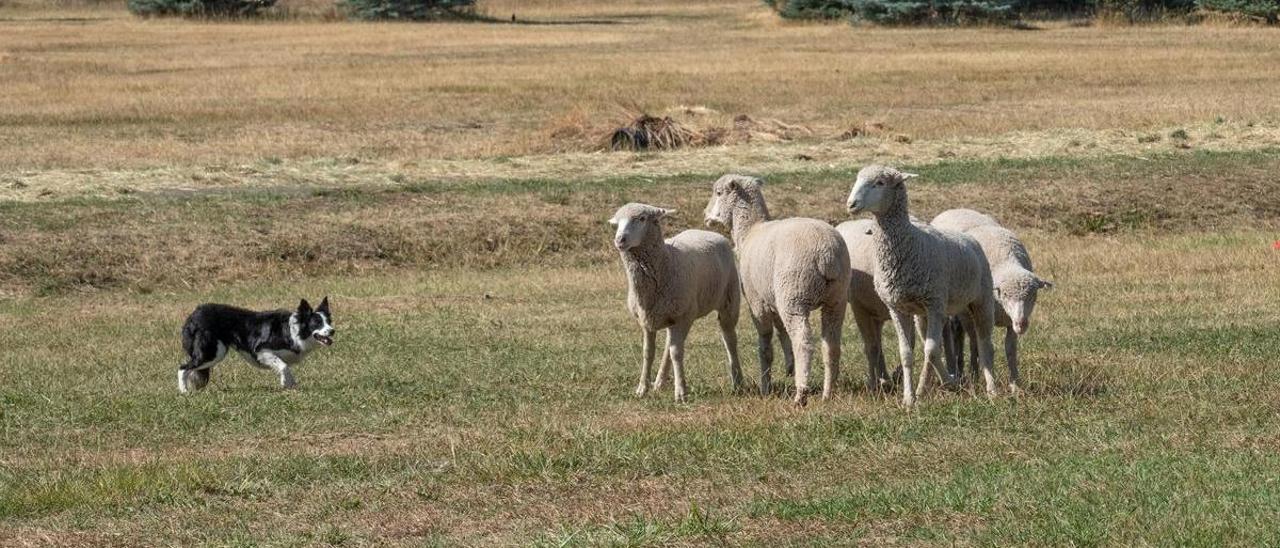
<point>1045,284</point>
<point>733,185</point>
<point>997,292</point>
<point>668,212</point>
<point>907,176</point>
<point>613,221</point>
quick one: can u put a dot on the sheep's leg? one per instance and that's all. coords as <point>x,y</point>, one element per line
<point>972,332</point>
<point>870,331</point>
<point>784,340</point>
<point>664,368</point>
<point>956,342</point>
<point>905,325</point>
<point>764,331</point>
<point>932,326</point>
<point>729,336</point>
<point>949,328</point>
<point>1011,355</point>
<point>646,364</point>
<point>832,329</point>
<point>675,347</point>
<point>982,319</point>
<point>798,329</point>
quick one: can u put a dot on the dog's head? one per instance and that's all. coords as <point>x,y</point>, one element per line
<point>315,324</point>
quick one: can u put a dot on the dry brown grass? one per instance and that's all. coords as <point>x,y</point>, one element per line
<point>111,92</point>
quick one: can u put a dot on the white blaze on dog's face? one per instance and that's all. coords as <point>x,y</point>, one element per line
<point>315,325</point>
<point>873,186</point>
<point>633,223</point>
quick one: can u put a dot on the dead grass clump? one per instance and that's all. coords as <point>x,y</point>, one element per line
<point>647,132</point>
<point>866,129</point>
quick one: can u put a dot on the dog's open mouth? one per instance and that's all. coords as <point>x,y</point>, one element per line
<point>324,340</point>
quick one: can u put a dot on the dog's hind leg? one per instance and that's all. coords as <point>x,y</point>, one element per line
<point>202,354</point>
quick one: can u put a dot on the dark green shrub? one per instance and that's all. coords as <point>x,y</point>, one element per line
<point>900,12</point>
<point>199,8</point>
<point>411,10</point>
<point>1264,10</point>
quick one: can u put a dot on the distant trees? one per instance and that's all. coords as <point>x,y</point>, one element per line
<point>959,12</point>
<point>199,8</point>
<point>411,10</point>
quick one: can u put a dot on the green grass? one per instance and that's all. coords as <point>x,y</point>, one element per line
<point>444,416</point>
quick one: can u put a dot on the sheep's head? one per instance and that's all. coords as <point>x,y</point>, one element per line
<point>873,186</point>
<point>635,223</point>
<point>1017,296</point>
<point>728,193</point>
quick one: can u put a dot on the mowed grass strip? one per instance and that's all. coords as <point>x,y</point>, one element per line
<point>159,242</point>
<point>495,407</point>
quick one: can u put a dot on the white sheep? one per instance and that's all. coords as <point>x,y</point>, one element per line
<point>674,282</point>
<point>922,271</point>
<point>1015,284</point>
<point>962,220</point>
<point>789,268</point>
<point>869,312</point>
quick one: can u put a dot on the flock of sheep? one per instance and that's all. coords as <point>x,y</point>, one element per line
<point>963,274</point>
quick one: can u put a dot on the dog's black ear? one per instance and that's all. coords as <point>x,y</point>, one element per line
<point>324,305</point>
<point>304,308</point>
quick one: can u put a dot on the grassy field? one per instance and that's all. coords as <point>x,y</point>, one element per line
<point>440,184</point>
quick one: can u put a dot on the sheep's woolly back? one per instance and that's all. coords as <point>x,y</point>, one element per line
<point>962,220</point>
<point>792,266</point>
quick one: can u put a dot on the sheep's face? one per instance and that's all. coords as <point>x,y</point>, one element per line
<point>728,193</point>
<point>635,222</point>
<point>873,187</point>
<point>1017,296</point>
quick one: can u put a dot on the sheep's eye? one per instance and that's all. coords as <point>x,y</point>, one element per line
<point>879,183</point>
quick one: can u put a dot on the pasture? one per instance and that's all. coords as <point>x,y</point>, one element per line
<point>443,185</point>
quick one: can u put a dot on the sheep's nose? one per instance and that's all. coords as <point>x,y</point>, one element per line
<point>620,243</point>
<point>853,205</point>
<point>1021,327</point>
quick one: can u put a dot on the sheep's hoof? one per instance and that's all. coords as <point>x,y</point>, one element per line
<point>1015,390</point>
<point>801,399</point>
<point>641,390</point>
<point>909,402</point>
<point>765,390</point>
<point>681,398</point>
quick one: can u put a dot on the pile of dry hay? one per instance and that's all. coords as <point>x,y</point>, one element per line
<point>650,132</point>
<point>647,132</point>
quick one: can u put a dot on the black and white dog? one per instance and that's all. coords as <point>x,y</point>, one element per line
<point>271,340</point>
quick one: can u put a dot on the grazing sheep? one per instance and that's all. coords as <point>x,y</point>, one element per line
<point>673,283</point>
<point>1015,285</point>
<point>922,271</point>
<point>789,267</point>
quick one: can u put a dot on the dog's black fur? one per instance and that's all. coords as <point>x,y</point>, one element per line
<point>270,340</point>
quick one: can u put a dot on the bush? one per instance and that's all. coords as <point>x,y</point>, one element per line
<point>900,12</point>
<point>199,8</point>
<point>1264,10</point>
<point>412,10</point>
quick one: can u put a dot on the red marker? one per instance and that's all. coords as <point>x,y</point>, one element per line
<point>1276,245</point>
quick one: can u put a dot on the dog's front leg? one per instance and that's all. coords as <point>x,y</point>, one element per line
<point>279,366</point>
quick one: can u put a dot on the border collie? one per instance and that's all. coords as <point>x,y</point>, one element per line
<point>270,340</point>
